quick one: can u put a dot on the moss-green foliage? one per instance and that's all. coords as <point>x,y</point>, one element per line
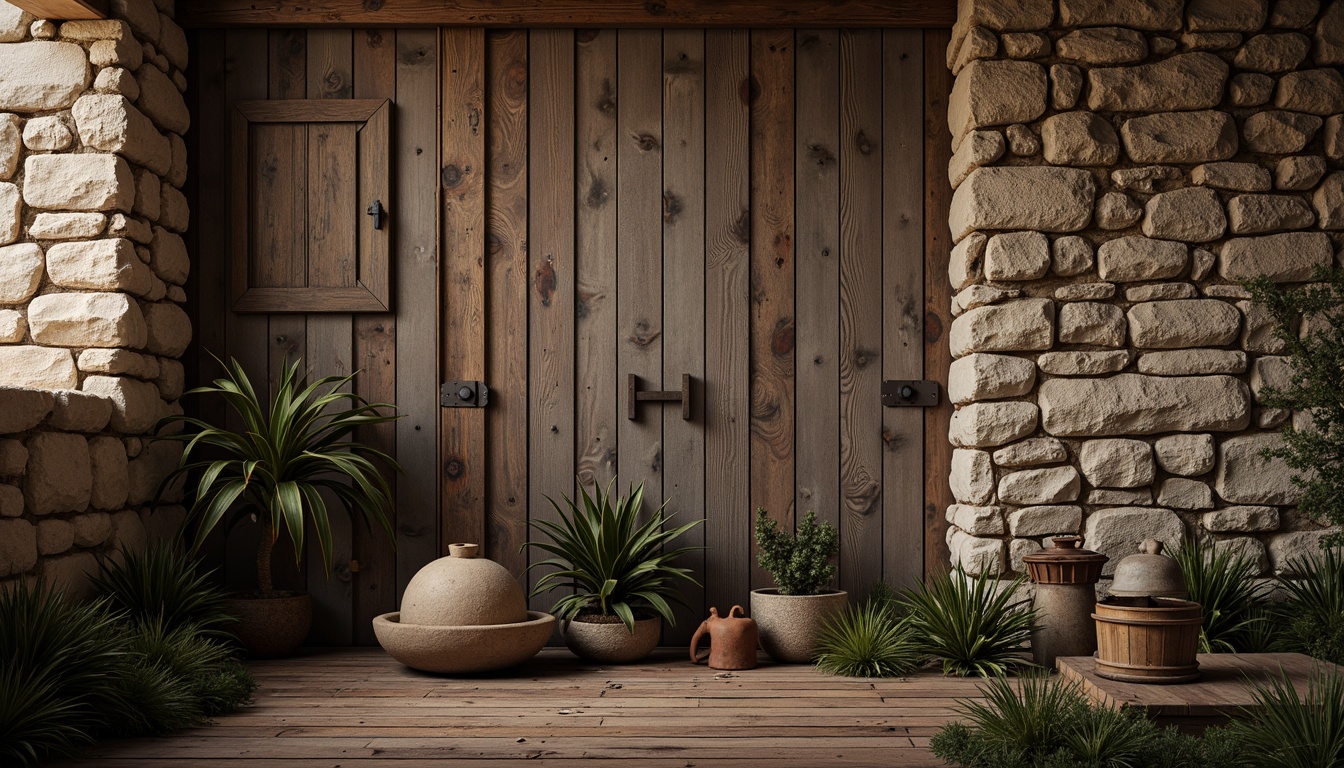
<point>1313,616</point>
<point>1287,730</point>
<point>1315,453</point>
<point>800,563</point>
<point>1044,722</point>
<point>972,625</point>
<point>162,583</point>
<point>1224,583</point>
<point>180,677</point>
<point>870,640</point>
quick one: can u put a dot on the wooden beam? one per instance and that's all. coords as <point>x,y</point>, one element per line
<point>64,9</point>
<point>561,13</point>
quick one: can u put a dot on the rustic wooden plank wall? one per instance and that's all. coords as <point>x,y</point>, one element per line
<point>763,210</point>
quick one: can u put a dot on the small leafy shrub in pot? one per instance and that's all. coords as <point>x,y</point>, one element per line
<point>971,624</point>
<point>790,617</point>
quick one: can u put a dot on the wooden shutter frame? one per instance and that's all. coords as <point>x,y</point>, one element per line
<point>372,291</point>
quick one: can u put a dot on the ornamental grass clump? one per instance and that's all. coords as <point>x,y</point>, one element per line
<point>615,565</point>
<point>971,624</point>
<point>162,583</point>
<point>1225,585</point>
<point>870,640</point>
<point>800,563</point>
<point>1286,730</point>
<point>1313,615</point>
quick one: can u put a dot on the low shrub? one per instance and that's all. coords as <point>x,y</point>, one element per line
<point>1289,731</point>
<point>1314,612</point>
<point>870,640</point>
<point>800,563</point>
<point>162,583</point>
<point>971,625</point>
<point>1224,583</point>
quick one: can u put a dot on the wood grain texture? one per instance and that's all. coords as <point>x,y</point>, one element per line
<point>597,394</point>
<point>415,220</point>
<point>572,13</point>
<point>506,302</point>
<point>462,148</point>
<point>551,440</point>
<point>772,278</point>
<point>639,275</point>
<point>903,226</point>
<point>861,305</point>
<point>683,66</point>
<point>245,335</point>
<point>937,296</point>
<point>64,9</point>
<point>727,319</point>
<point>330,337</point>
<point>817,168</point>
<point>375,337</point>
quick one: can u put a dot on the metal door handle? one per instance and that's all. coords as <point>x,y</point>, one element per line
<point>633,396</point>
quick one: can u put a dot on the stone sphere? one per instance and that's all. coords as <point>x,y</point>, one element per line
<point>463,590</point>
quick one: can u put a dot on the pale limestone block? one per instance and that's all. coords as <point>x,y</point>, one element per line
<point>1201,263</point>
<point>1279,132</point>
<point>136,405</point>
<point>1185,455</point>
<point>1120,497</point>
<point>1258,330</point>
<point>1050,485</point>
<point>1083,363</point>
<point>1022,141</point>
<point>1132,404</point>
<point>1183,493</point>
<point>98,265</point>
<point>1183,323</point>
<point>1116,210</point>
<point>979,148</point>
<point>976,555</point>
<point>1160,292</point>
<point>1180,137</point>
<point>168,329</point>
<point>1032,452</point>
<point>1025,45</point>
<point>83,182</point>
<point>979,43</point>
<point>1016,326</point>
<point>971,297</point>
<point>1092,323</point>
<point>1118,532</point>
<point>1018,549</point>
<point>109,122</point>
<point>1293,14</point>
<point>965,265</point>
<point>47,134</point>
<point>1151,15</point>
<point>1014,256</point>
<point>1246,519</point>
<point>11,145</point>
<point>1226,15</point>
<point>1250,89</point>
<point>1071,255</point>
<point>1281,52</point>
<point>1103,46</point>
<point>174,211</point>
<point>1244,476</point>
<point>14,23</point>
<point>1066,84</point>
<point>119,361</point>
<point>142,15</point>
<point>1134,259</point>
<point>118,81</point>
<point>163,103</point>
<point>1085,292</point>
<point>67,226</point>
<point>1239,177</point>
<point>86,320</point>
<point>1192,362</point>
<point>1193,214</point>
<point>985,93</point>
<point>1255,214</point>
<point>171,380</point>
<point>21,267</point>
<point>11,213</point>
<point>1046,199</point>
<point>1183,82</point>
<point>36,368</point>
<point>41,76</point>
<point>75,411</point>
<point>1328,201</point>
<point>1045,520</point>
<point>1299,173</point>
<point>1144,178</point>
<point>1284,258</point>
<point>59,477</point>
<point>977,521</point>
<point>1079,138</point>
<point>1289,551</point>
<point>985,425</point>
<point>983,376</point>
<point>13,325</point>
<point>1116,463</point>
<point>1314,91</point>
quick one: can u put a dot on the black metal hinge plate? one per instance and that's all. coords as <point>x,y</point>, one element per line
<point>914,394</point>
<point>464,394</point>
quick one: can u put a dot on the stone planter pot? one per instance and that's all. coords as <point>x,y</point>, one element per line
<point>611,643</point>
<point>466,649</point>
<point>789,624</point>
<point>271,627</point>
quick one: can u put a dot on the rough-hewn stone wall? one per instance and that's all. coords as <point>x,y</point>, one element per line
<point>92,264</point>
<point>1120,167</point>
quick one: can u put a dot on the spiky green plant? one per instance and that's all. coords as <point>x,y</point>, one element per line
<point>1315,606</point>
<point>180,677</point>
<point>162,583</point>
<point>972,625</point>
<point>288,453</point>
<point>60,663</point>
<point>616,565</point>
<point>1285,730</point>
<point>799,563</point>
<point>1225,585</point>
<point>1102,737</point>
<point>870,640</point>
<point>1030,718</point>
<point>1316,454</point>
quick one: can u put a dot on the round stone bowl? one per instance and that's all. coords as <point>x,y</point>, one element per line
<point>466,649</point>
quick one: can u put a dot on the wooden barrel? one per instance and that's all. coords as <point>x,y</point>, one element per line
<point>1148,639</point>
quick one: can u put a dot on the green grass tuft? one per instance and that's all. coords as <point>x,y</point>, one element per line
<point>972,625</point>
<point>870,640</point>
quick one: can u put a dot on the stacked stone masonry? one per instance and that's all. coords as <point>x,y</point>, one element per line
<point>92,266</point>
<point>1119,169</point>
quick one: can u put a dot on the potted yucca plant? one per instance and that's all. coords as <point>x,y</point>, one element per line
<point>622,576</point>
<point>791,615</point>
<point>292,456</point>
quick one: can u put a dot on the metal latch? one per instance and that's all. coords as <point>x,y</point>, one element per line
<point>634,395</point>
<point>917,394</point>
<point>377,211</point>
<point>464,394</point>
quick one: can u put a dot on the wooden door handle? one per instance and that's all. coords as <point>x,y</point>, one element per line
<point>633,396</point>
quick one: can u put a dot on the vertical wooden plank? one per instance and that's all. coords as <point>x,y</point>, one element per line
<point>684,305</point>
<point>506,302</point>
<point>727,318</point>
<point>414,219</point>
<point>772,278</point>
<point>861,153</point>
<point>639,276</point>
<point>596,410</point>
<point>208,238</point>
<point>287,339</point>
<point>462,484</point>
<point>550,223</point>
<point>375,338</point>
<point>245,73</point>
<point>817,160</point>
<point>330,336</point>
<point>937,85</point>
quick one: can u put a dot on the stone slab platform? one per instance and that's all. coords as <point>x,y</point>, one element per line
<point>1221,692</point>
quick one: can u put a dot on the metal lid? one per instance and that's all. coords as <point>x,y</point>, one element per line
<point>1148,574</point>
<point>1065,549</point>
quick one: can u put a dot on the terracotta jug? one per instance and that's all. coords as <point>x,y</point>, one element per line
<point>732,640</point>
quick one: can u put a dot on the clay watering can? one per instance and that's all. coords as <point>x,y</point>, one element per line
<point>732,640</point>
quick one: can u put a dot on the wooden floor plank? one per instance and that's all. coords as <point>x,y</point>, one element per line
<point>357,707</point>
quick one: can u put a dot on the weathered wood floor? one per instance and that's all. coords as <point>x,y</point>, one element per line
<point>353,707</point>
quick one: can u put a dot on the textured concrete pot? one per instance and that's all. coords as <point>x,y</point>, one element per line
<point>789,624</point>
<point>271,627</point>
<point>466,649</point>
<point>611,643</point>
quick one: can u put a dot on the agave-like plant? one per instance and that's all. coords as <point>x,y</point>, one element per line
<point>1286,730</point>
<point>616,565</point>
<point>972,625</point>
<point>288,452</point>
<point>1032,717</point>
<point>1224,583</point>
<point>871,640</point>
